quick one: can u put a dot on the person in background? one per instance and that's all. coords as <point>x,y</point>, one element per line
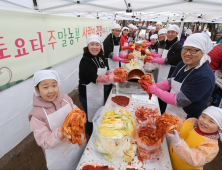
<point>197,142</point>
<point>216,59</point>
<point>93,75</point>
<point>123,41</point>
<point>192,82</point>
<point>134,33</point>
<point>152,32</point>
<point>112,48</point>
<point>188,32</point>
<point>154,43</point>
<point>50,108</point>
<point>162,34</point>
<point>158,27</point>
<point>219,40</point>
<point>206,32</point>
<point>148,32</point>
<point>171,54</point>
<point>130,33</point>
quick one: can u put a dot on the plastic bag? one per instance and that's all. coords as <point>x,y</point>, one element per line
<point>149,67</point>
<point>145,115</point>
<point>119,149</point>
<point>151,152</point>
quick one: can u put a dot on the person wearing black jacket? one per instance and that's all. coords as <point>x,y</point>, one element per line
<point>171,54</point>
<point>93,75</point>
<point>154,43</point>
<point>162,33</point>
<point>170,58</point>
<point>113,57</point>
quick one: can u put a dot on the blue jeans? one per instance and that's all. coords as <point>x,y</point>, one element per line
<point>88,125</point>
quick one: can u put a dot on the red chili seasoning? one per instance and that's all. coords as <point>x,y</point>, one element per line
<point>121,100</point>
<point>96,167</point>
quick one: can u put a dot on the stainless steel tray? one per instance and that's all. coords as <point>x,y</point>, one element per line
<point>129,87</point>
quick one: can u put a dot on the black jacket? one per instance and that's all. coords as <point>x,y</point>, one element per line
<point>161,44</point>
<point>174,54</point>
<point>88,67</point>
<point>108,45</point>
<point>154,47</point>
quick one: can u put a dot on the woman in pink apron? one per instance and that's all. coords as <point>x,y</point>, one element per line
<point>50,108</point>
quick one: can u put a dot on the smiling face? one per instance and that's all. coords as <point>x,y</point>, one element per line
<point>162,37</point>
<point>191,60</point>
<point>171,35</point>
<point>94,48</point>
<point>116,32</point>
<point>152,31</point>
<point>153,41</point>
<point>48,89</point>
<point>158,27</point>
<point>125,32</point>
<point>206,124</point>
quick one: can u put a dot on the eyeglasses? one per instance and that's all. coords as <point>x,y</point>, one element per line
<point>117,30</point>
<point>192,51</point>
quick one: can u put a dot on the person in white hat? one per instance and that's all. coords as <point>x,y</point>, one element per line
<point>197,142</point>
<point>124,41</point>
<point>93,78</point>
<point>50,108</point>
<point>158,26</point>
<point>131,34</point>
<point>192,82</point>
<point>152,32</point>
<point>162,34</point>
<point>184,36</point>
<point>154,43</point>
<point>148,32</point>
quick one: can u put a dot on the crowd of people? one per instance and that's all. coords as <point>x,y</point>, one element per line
<point>185,82</point>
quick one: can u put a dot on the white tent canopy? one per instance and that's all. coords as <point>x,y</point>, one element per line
<point>148,10</point>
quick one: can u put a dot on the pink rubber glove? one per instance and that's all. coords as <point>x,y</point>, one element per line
<point>157,55</point>
<point>157,60</point>
<point>107,79</point>
<point>164,85</point>
<point>174,137</point>
<point>117,58</point>
<point>121,55</point>
<point>148,44</point>
<point>163,95</point>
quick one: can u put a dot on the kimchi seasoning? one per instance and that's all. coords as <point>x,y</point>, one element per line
<point>96,167</point>
<point>121,100</point>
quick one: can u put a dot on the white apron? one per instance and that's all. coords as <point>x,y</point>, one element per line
<point>125,51</point>
<point>114,64</point>
<point>164,69</point>
<point>65,156</point>
<point>172,109</point>
<point>160,50</point>
<point>153,50</point>
<point>95,95</point>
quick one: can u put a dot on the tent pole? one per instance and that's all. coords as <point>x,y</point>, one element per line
<point>181,28</point>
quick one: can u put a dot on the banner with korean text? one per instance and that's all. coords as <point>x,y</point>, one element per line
<point>30,42</point>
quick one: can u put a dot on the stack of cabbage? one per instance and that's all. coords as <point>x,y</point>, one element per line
<point>115,135</point>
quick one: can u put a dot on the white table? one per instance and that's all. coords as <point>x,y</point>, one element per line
<point>90,155</point>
